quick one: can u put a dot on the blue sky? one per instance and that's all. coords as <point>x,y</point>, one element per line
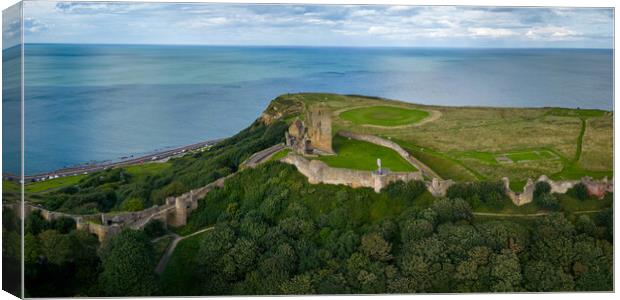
<point>318,25</point>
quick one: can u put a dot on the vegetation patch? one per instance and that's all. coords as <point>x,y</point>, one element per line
<point>41,186</point>
<point>384,115</point>
<point>360,155</point>
<point>530,155</point>
<point>280,154</point>
<point>580,113</point>
<point>178,279</point>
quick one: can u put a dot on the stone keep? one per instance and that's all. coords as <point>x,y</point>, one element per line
<point>320,128</point>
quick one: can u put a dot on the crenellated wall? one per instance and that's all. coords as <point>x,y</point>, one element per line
<point>174,212</point>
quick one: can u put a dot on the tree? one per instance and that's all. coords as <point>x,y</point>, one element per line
<point>132,204</point>
<point>580,191</point>
<point>376,247</point>
<point>541,188</point>
<point>413,230</point>
<point>505,272</point>
<point>547,201</point>
<point>63,224</point>
<point>298,285</point>
<point>57,248</point>
<point>543,196</point>
<point>553,240</point>
<point>35,223</point>
<point>405,190</point>
<point>542,276</point>
<point>472,273</point>
<point>128,265</point>
<point>585,225</point>
<point>592,265</point>
<point>451,210</point>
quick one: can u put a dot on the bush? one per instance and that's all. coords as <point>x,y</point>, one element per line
<point>451,210</point>
<point>547,201</point>
<point>63,225</point>
<point>543,196</point>
<point>406,190</point>
<point>491,194</point>
<point>132,204</point>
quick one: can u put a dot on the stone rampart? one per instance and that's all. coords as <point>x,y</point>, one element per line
<point>596,188</point>
<point>174,212</point>
<point>318,172</point>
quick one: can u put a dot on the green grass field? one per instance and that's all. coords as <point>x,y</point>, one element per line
<point>42,186</point>
<point>359,155</point>
<point>530,156</point>
<point>384,115</point>
<point>51,184</point>
<point>463,143</point>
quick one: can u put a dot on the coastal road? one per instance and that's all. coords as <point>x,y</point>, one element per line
<point>98,167</point>
<point>261,156</point>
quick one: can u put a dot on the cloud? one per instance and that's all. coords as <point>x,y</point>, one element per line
<point>490,32</point>
<point>33,25</point>
<point>374,25</point>
<point>552,33</point>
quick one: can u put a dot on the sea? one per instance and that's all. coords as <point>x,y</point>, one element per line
<point>99,103</point>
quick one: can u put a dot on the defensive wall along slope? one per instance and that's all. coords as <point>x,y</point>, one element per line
<point>174,213</point>
<point>318,172</point>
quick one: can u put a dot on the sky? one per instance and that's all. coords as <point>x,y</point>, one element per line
<point>314,25</point>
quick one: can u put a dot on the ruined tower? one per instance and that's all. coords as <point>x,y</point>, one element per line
<point>320,128</point>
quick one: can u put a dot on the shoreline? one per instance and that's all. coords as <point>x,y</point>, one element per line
<point>87,168</point>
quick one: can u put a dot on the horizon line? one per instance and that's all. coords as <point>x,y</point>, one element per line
<point>304,46</point>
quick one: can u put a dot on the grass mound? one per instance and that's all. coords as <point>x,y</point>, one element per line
<point>354,154</point>
<point>384,115</point>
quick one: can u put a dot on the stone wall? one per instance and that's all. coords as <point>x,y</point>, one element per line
<point>318,172</point>
<point>439,188</point>
<point>174,212</point>
<point>596,188</point>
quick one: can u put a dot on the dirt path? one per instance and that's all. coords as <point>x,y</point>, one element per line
<point>163,262</point>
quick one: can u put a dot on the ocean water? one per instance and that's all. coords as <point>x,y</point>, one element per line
<point>93,103</point>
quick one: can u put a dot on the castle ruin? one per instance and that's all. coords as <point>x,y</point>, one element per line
<point>314,136</point>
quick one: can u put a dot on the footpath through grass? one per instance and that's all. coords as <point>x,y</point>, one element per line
<point>359,155</point>
<point>384,115</point>
<point>177,278</point>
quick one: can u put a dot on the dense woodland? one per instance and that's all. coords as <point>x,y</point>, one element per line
<point>273,233</point>
<point>276,234</point>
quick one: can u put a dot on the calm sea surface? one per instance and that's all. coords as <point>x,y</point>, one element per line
<point>87,103</point>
